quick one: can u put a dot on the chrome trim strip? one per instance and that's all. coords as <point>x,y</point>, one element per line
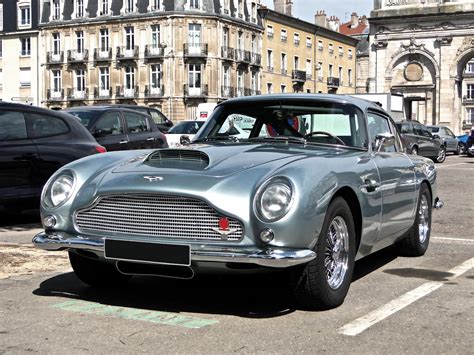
<point>270,257</point>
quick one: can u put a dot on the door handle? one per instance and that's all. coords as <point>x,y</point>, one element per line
<point>123,142</point>
<point>370,185</point>
<point>151,139</point>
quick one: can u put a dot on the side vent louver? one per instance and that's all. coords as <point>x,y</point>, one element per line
<point>183,155</point>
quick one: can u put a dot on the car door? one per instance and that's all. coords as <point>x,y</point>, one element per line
<point>139,131</point>
<point>450,139</point>
<point>397,179</point>
<point>109,131</point>
<point>432,143</point>
<point>423,141</point>
<point>18,158</point>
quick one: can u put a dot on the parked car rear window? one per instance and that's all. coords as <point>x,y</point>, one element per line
<point>136,123</point>
<point>110,124</point>
<point>186,127</point>
<point>12,125</point>
<point>85,117</point>
<point>45,126</point>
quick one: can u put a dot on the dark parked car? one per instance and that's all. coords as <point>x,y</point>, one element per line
<point>470,143</point>
<point>449,138</point>
<point>162,122</point>
<point>34,143</point>
<point>419,141</point>
<point>118,128</point>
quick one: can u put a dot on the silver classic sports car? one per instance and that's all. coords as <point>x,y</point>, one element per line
<point>301,184</point>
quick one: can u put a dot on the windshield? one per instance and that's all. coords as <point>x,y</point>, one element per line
<point>186,127</point>
<point>295,121</point>
<point>433,129</point>
<point>85,117</point>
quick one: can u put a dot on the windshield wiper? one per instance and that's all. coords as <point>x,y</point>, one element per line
<point>286,139</point>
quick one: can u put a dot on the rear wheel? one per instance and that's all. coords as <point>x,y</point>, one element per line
<point>94,272</point>
<point>417,238</point>
<point>323,283</point>
<point>441,154</point>
<point>414,151</point>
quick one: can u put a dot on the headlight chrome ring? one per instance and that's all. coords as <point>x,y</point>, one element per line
<point>274,199</point>
<point>59,189</point>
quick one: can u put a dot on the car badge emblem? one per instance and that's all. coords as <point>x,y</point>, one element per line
<point>153,178</point>
<point>223,228</point>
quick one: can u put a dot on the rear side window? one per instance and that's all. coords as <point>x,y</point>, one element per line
<point>417,129</point>
<point>109,124</point>
<point>46,126</point>
<point>136,123</point>
<point>12,125</point>
<point>157,116</point>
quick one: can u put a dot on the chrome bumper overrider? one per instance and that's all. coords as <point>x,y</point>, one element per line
<point>270,257</point>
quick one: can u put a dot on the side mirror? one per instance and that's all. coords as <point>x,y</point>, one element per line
<point>383,140</point>
<point>168,123</point>
<point>184,140</point>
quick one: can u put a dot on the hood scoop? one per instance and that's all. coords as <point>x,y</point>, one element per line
<point>166,157</point>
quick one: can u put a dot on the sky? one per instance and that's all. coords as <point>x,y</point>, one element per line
<point>305,9</point>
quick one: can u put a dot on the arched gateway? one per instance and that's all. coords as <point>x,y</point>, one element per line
<point>422,49</point>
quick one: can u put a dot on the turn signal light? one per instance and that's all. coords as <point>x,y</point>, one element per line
<point>100,149</point>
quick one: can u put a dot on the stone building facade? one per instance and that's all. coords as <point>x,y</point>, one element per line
<point>172,54</point>
<point>422,49</point>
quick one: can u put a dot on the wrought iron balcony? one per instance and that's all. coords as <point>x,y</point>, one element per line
<point>196,91</point>
<point>227,91</point>
<point>102,54</point>
<point>152,52</point>
<point>227,53</point>
<point>298,76</point>
<point>151,91</point>
<point>122,92</point>
<point>333,82</point>
<point>242,56</point>
<point>55,95</point>
<point>55,58</point>
<point>102,94</point>
<point>256,59</point>
<point>127,53</point>
<point>75,56</point>
<point>74,94</point>
<point>195,49</point>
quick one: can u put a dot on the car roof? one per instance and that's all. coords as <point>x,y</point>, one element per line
<point>32,108</point>
<point>101,108</point>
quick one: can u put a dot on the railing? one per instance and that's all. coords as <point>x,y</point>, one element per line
<point>270,34</point>
<point>195,49</point>
<point>227,91</point>
<point>77,94</point>
<point>284,38</point>
<point>55,58</point>
<point>298,75</point>
<point>239,92</point>
<point>195,92</point>
<point>123,93</point>
<point>333,82</point>
<point>269,68</point>
<point>102,55</point>
<point>256,59</point>
<point>151,91</point>
<point>102,94</point>
<point>227,52</point>
<point>297,42</point>
<point>127,52</point>
<point>284,71</point>
<point>468,99</point>
<point>53,95</point>
<point>154,52</point>
<point>75,56</point>
<point>242,56</point>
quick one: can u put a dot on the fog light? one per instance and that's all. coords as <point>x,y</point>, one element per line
<point>49,221</point>
<point>266,235</point>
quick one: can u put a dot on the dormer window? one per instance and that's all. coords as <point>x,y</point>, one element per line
<point>56,10</point>
<point>24,18</point>
<point>104,7</point>
<point>155,5</point>
<point>79,8</point>
<point>129,6</point>
<point>194,4</point>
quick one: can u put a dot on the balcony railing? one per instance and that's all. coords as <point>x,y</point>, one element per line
<point>154,52</point>
<point>127,53</point>
<point>298,76</point>
<point>333,82</point>
<point>467,99</point>
<point>195,49</point>
<point>227,52</point>
<point>55,95</point>
<point>77,94</point>
<point>242,56</point>
<point>284,71</point>
<point>102,94</point>
<point>122,92</point>
<point>227,91</point>
<point>151,91</point>
<point>55,58</point>
<point>269,68</point>
<point>75,56</point>
<point>239,92</point>
<point>102,54</point>
<point>195,91</point>
<point>256,59</point>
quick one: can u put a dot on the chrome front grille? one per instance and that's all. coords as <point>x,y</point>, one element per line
<point>156,216</point>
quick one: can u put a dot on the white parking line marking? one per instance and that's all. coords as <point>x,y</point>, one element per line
<point>359,325</point>
<point>462,240</point>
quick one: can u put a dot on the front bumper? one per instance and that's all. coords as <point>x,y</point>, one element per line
<point>269,257</point>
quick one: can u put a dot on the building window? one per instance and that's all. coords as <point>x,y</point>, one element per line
<point>309,42</point>
<point>129,38</point>
<point>240,83</point>
<point>56,9</point>
<point>340,75</point>
<point>470,116</point>
<point>254,12</point>
<point>155,5</point>
<point>56,83</point>
<point>225,37</point>
<point>270,31</point>
<point>283,35</point>
<point>296,39</point>
<point>104,7</point>
<point>1,48</point>
<point>80,41</point>
<point>155,77</point>
<point>56,43</point>
<point>330,71</point>
<point>155,36</point>
<point>129,78</point>
<point>349,76</point>
<point>104,39</point>
<point>194,4</point>
<point>129,6</point>
<point>320,46</point>
<point>283,88</point>
<point>194,78</point>
<point>104,79</point>
<point>25,15</point>
<point>470,68</point>
<point>284,64</point>
<point>240,41</point>
<point>341,51</point>
<point>254,44</point>
<point>269,60</point>
<point>309,71</point>
<point>254,82</point>
<point>320,71</point>
<point>349,53</point>
<point>470,91</point>
<point>241,9</point>
<point>79,8</point>
<point>269,88</point>
<point>80,80</point>
<point>25,46</point>
<point>25,77</point>
<point>331,48</point>
<point>296,63</point>
<point>226,78</point>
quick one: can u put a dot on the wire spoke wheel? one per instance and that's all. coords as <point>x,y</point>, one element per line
<point>423,219</point>
<point>337,252</point>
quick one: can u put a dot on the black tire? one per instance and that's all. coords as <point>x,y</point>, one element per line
<point>414,150</point>
<point>458,150</point>
<point>462,148</point>
<point>417,239</point>
<point>94,272</point>
<point>312,287</point>
<point>441,155</point>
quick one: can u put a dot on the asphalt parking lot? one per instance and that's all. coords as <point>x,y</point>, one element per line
<point>395,305</point>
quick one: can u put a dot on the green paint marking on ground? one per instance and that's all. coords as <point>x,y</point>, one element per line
<point>135,314</point>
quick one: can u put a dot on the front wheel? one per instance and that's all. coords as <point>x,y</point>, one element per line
<point>323,283</point>
<point>441,155</point>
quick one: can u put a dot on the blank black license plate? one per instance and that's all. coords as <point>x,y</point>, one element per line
<point>168,254</point>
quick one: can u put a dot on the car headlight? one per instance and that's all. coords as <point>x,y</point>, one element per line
<point>59,190</point>
<point>274,199</point>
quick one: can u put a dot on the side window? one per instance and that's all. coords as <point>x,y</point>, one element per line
<point>377,125</point>
<point>157,117</point>
<point>449,132</point>
<point>136,123</point>
<point>425,132</point>
<point>46,126</point>
<point>12,125</point>
<point>417,129</point>
<point>405,128</point>
<point>110,124</point>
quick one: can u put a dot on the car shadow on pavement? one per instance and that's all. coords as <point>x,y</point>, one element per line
<point>20,221</point>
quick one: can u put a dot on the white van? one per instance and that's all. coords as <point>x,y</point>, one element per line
<point>204,110</point>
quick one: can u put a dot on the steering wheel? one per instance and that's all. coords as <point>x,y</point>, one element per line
<point>315,133</point>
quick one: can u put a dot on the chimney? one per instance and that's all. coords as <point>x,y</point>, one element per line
<point>333,23</point>
<point>289,7</point>
<point>354,20</point>
<point>279,6</point>
<point>320,18</point>
<point>364,20</point>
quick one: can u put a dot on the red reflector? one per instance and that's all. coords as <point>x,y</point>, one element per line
<point>100,149</point>
<point>223,223</point>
